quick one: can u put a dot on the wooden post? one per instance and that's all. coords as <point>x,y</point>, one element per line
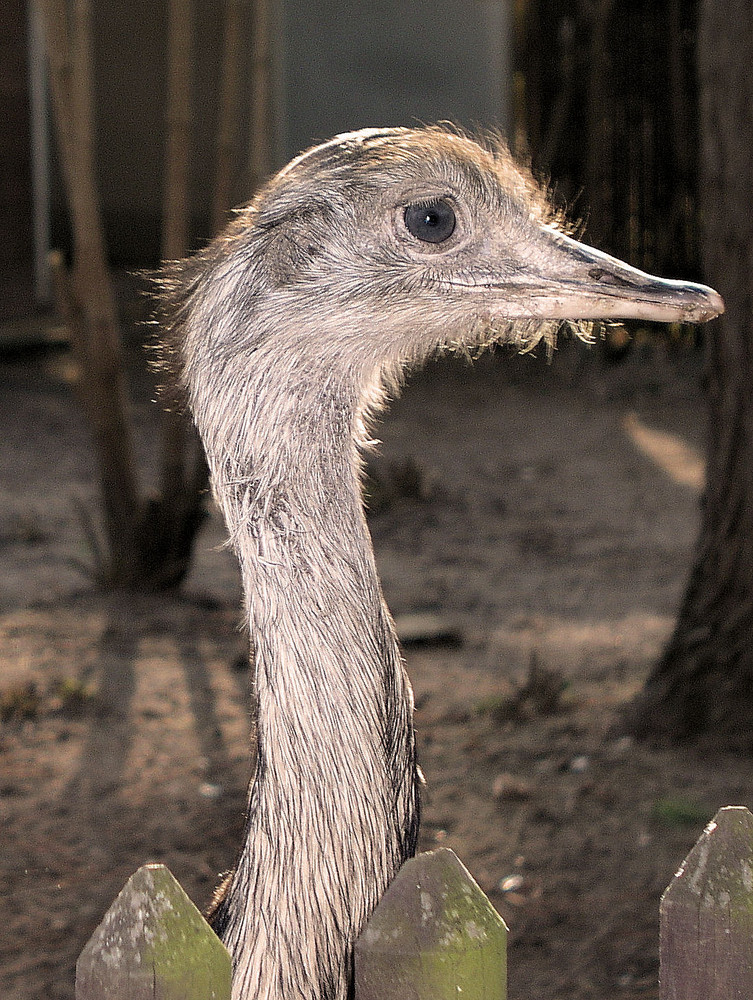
<point>95,334</point>
<point>706,915</point>
<point>176,208</point>
<point>260,152</point>
<point>153,943</point>
<point>230,93</point>
<point>433,936</point>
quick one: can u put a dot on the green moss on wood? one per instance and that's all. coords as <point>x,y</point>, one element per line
<point>153,937</point>
<point>433,935</point>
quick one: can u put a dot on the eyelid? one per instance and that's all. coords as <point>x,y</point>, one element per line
<point>429,200</point>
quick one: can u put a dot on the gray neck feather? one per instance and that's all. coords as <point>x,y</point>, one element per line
<point>333,809</point>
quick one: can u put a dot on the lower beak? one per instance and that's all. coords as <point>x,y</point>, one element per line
<point>574,281</point>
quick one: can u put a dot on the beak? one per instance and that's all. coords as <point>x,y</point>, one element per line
<point>569,280</point>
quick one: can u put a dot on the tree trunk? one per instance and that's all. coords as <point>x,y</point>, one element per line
<point>147,541</point>
<point>230,94</point>
<point>90,300</point>
<point>260,152</point>
<point>176,514</point>
<point>703,684</point>
<point>175,208</point>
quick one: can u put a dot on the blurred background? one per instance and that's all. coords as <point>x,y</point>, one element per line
<point>600,98</point>
<point>564,542</point>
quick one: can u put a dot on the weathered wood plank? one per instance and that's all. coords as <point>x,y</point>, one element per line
<point>153,944</point>
<point>706,924</point>
<point>433,936</point>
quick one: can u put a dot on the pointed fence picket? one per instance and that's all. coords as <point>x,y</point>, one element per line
<point>706,915</point>
<point>153,944</point>
<point>434,935</point>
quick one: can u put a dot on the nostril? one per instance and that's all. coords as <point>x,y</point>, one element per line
<point>610,278</point>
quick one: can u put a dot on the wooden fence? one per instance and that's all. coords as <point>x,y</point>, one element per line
<point>434,935</point>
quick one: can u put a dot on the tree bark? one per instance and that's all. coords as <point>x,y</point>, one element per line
<point>260,152</point>
<point>230,94</point>
<point>175,210</point>
<point>703,684</point>
<point>174,517</point>
<point>93,321</point>
<point>147,541</point>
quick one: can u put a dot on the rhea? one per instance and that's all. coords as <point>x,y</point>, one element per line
<point>363,256</point>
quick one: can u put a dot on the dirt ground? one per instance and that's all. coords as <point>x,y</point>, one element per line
<point>550,525</point>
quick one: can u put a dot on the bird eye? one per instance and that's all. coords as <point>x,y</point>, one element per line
<point>430,222</point>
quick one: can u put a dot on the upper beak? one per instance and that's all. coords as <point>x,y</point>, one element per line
<point>569,280</point>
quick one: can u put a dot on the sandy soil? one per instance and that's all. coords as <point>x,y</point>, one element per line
<point>552,529</point>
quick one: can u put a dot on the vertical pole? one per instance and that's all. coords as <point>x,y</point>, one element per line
<point>260,150</point>
<point>176,211</point>
<point>227,134</point>
<point>496,16</point>
<point>96,337</point>
<point>40,154</point>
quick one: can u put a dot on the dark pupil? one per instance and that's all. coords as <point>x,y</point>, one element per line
<point>433,222</point>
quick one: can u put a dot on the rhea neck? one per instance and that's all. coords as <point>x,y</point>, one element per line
<point>287,480</point>
<point>286,475</point>
<point>334,706</point>
<point>333,807</point>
